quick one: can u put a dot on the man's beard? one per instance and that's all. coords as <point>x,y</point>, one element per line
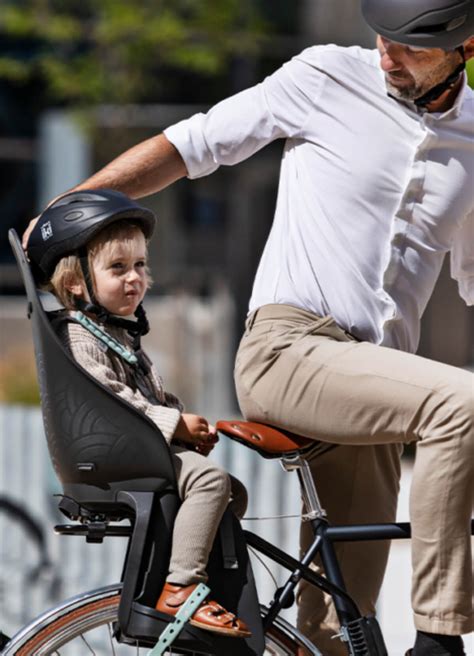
<point>421,81</point>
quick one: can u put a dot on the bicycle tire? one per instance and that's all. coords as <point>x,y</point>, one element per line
<point>75,617</point>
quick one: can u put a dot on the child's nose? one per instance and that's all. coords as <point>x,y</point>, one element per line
<point>132,275</point>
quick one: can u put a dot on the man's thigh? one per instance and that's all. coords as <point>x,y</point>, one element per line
<point>305,379</point>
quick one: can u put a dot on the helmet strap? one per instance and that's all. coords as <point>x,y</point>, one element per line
<point>84,262</point>
<point>449,82</point>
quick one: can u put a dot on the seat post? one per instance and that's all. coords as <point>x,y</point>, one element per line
<point>294,462</point>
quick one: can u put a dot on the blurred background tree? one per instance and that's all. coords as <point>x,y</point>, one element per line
<point>163,58</point>
<point>116,51</point>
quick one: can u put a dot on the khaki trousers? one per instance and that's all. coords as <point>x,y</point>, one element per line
<point>361,402</point>
<point>205,491</point>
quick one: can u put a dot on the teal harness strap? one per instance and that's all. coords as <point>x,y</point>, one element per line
<point>173,630</point>
<point>104,337</point>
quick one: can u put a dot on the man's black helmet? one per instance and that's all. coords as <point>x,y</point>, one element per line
<point>73,220</point>
<point>422,23</point>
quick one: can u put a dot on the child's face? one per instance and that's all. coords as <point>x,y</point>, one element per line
<point>120,276</point>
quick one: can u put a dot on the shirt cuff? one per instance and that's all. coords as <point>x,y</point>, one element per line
<point>188,138</point>
<point>165,418</point>
<point>466,289</point>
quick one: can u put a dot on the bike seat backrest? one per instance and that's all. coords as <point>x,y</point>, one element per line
<point>97,441</point>
<point>269,441</point>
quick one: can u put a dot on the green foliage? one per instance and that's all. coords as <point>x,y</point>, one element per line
<point>470,72</point>
<point>110,50</point>
<point>18,382</point>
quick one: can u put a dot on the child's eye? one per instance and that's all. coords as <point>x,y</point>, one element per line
<point>141,263</point>
<point>117,265</point>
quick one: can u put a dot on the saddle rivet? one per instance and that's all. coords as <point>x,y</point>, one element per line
<point>255,437</point>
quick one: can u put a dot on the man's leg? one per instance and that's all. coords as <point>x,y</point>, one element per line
<point>303,373</point>
<point>367,490</point>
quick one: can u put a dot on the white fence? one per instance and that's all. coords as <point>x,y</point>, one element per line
<point>26,477</point>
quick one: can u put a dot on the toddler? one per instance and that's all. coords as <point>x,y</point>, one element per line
<point>93,248</point>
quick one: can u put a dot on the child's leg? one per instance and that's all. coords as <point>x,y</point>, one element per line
<point>204,490</point>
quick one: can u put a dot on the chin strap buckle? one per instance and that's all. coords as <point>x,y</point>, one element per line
<point>187,610</point>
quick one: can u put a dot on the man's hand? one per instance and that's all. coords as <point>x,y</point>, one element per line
<point>197,432</point>
<point>27,233</point>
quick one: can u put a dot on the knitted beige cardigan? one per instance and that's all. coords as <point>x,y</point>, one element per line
<point>110,369</point>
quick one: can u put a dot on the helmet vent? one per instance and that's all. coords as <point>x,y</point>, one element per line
<point>455,23</point>
<point>432,29</point>
<point>75,215</point>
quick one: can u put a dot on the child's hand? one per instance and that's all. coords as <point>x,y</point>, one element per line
<point>205,447</point>
<point>196,431</point>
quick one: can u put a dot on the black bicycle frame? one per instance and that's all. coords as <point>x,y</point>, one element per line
<point>332,583</point>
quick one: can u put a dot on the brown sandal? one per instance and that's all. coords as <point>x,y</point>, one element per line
<point>210,615</point>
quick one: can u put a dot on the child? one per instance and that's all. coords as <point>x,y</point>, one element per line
<point>95,245</point>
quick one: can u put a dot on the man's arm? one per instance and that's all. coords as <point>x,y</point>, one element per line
<point>144,169</point>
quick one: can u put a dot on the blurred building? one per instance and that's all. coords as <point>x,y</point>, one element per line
<point>212,230</point>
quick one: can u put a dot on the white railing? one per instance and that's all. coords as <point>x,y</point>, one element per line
<point>27,477</point>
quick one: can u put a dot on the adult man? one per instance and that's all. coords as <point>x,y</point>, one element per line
<point>375,188</point>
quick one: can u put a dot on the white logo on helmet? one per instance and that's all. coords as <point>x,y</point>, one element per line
<point>46,230</point>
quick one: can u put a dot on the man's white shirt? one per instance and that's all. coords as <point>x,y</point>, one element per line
<point>372,193</point>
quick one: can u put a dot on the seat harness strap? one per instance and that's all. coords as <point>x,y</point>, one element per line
<point>138,367</point>
<point>226,532</point>
<point>187,610</point>
<point>107,339</point>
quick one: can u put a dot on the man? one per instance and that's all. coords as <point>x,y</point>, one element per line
<point>375,188</point>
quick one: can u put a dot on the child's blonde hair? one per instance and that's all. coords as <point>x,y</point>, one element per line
<point>68,270</point>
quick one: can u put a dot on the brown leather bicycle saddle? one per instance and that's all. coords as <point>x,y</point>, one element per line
<point>270,442</point>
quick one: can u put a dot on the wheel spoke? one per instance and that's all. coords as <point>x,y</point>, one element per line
<point>111,638</point>
<point>87,645</point>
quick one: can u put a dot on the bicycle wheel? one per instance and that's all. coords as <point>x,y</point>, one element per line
<point>85,623</point>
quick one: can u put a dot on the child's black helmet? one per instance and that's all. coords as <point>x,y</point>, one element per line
<point>422,23</point>
<point>72,221</point>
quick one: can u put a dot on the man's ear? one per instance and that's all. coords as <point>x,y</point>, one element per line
<point>469,48</point>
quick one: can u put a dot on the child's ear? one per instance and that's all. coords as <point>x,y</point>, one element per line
<point>75,287</point>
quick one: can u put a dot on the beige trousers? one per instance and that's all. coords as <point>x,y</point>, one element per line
<point>205,491</point>
<point>304,373</point>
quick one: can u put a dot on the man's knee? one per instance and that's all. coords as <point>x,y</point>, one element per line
<point>449,412</point>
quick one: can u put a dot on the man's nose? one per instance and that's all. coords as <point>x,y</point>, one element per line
<point>392,55</point>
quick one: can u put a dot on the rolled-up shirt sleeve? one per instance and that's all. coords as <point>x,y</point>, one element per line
<point>462,259</point>
<point>239,126</point>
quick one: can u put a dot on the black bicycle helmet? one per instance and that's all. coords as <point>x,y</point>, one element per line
<point>422,23</point>
<point>72,221</point>
<point>66,227</point>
